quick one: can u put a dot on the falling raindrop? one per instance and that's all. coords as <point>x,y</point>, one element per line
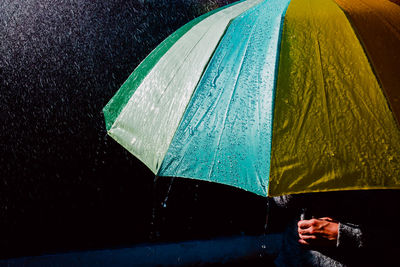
<point>164,203</point>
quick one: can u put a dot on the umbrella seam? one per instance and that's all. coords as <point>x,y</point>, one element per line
<point>228,108</point>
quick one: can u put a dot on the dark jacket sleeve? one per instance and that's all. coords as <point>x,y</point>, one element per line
<point>350,236</point>
<point>375,223</point>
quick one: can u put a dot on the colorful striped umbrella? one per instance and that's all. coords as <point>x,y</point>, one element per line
<point>274,97</point>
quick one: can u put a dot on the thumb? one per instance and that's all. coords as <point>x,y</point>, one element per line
<point>329,219</point>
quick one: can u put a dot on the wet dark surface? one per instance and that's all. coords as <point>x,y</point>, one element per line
<point>64,184</point>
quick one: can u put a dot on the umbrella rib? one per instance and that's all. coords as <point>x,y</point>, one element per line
<point>324,91</point>
<point>390,26</point>
<point>218,98</point>
<point>308,106</point>
<point>181,65</point>
<point>204,114</point>
<point>230,100</point>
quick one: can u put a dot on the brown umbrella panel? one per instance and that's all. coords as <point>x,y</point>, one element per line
<point>377,24</point>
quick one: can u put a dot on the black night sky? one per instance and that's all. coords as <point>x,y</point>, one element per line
<point>65,185</point>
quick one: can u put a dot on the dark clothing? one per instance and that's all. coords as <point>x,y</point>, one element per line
<point>369,228</point>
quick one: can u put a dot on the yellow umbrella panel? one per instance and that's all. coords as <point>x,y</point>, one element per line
<point>333,128</point>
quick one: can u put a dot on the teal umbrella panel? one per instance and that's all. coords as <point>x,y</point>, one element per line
<point>225,134</point>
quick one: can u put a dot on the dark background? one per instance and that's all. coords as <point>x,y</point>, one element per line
<point>65,185</point>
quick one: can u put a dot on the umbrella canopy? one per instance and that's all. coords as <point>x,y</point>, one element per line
<point>274,97</point>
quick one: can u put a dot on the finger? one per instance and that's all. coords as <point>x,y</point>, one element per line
<point>303,224</point>
<point>309,231</point>
<point>301,241</point>
<point>329,219</point>
<point>309,238</point>
<point>312,233</point>
<point>304,231</point>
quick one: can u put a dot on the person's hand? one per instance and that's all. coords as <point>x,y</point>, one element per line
<point>318,232</point>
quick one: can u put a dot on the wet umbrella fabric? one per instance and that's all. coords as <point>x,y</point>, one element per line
<point>333,128</point>
<point>121,98</point>
<point>166,90</point>
<point>272,97</point>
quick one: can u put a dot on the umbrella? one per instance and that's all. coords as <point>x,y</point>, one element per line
<point>274,97</point>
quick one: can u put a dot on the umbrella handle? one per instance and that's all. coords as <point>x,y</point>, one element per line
<point>267,214</point>
<point>303,214</point>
